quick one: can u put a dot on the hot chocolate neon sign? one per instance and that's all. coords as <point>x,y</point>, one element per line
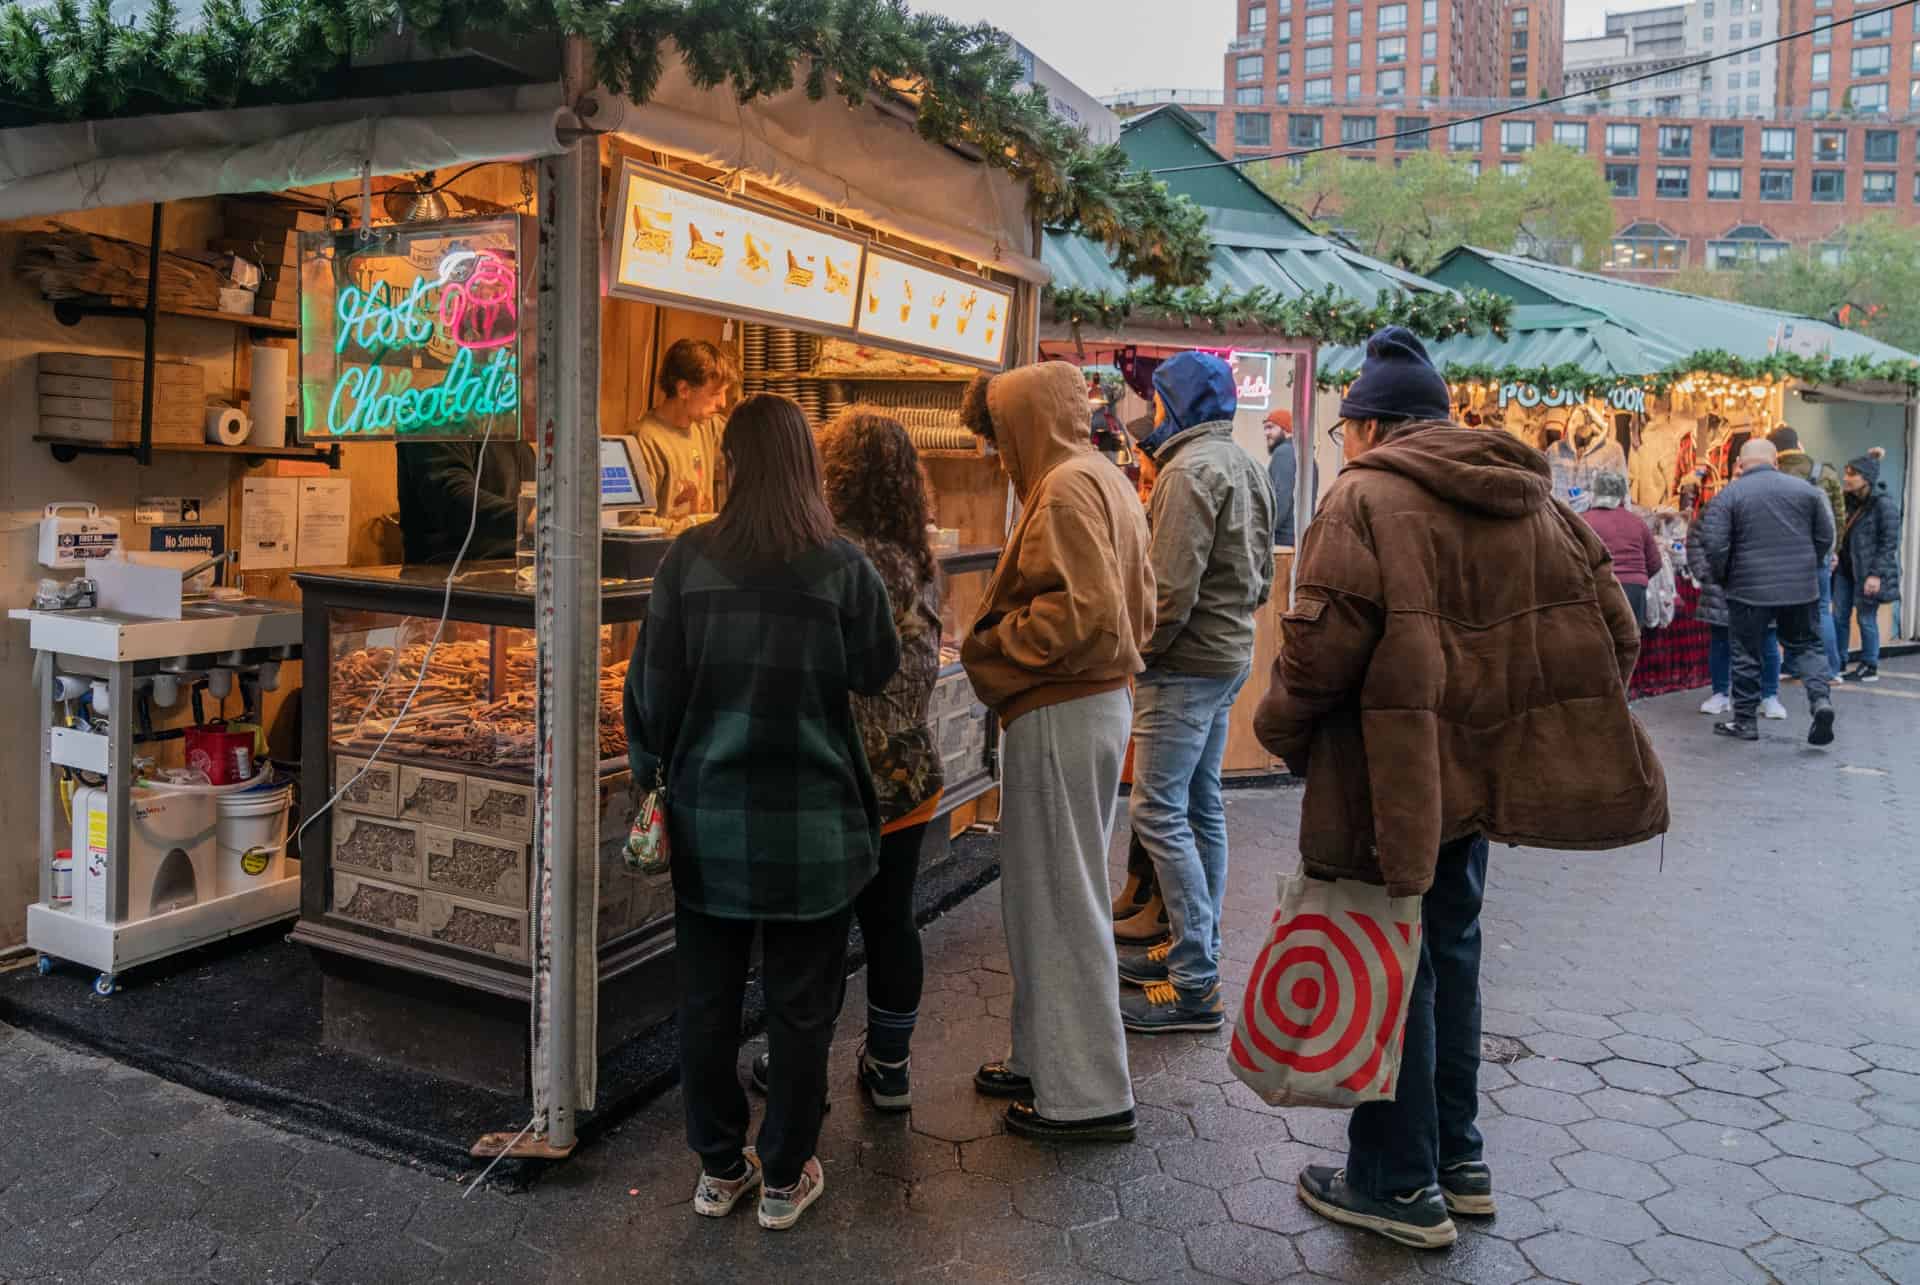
<point>470,305</point>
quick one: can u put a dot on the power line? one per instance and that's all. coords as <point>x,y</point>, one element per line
<point>1534,106</point>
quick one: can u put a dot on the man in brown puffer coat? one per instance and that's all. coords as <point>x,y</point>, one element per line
<point>1453,671</point>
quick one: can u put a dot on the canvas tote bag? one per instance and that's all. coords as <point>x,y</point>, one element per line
<point>1325,1011</point>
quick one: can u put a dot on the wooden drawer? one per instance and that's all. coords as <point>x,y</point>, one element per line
<point>384,849</point>
<point>377,904</point>
<point>490,930</point>
<point>433,798</point>
<point>499,810</point>
<point>474,867</point>
<point>375,794</point>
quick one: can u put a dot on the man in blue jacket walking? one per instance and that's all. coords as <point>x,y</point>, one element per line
<point>1766,537</point>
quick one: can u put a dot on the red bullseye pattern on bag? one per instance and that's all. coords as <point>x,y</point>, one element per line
<point>1325,1011</point>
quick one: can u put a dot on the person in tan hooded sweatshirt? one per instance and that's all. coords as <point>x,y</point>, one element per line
<point>1060,635</point>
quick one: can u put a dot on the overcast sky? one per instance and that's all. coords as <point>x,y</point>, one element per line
<point>1106,46</point>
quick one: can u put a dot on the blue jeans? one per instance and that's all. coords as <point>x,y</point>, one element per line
<point>1179,740</point>
<point>1720,662</point>
<point>1400,1146</point>
<point>1830,636</point>
<point>1846,600</point>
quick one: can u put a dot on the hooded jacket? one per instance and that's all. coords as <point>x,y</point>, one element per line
<point>1870,544</point>
<point>1211,517</point>
<point>1800,464</point>
<point>1456,662</point>
<point>1070,607</point>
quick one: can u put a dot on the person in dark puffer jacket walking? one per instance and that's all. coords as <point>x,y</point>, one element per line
<point>1868,573</point>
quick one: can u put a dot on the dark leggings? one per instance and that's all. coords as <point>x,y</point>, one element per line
<point>895,970</point>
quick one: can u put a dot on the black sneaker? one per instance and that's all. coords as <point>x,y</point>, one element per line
<point>1144,967</point>
<point>998,1080</point>
<point>757,1076</point>
<point>889,1085</point>
<point>1866,673</point>
<point>1419,1219</point>
<point>1025,1120</point>
<point>1822,733</point>
<point>1739,729</point>
<point>1467,1188</point>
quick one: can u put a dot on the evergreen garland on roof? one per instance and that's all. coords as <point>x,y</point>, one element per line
<point>1327,316</point>
<point>71,58</point>
<point>1779,367</point>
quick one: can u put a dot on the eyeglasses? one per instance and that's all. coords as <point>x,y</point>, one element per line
<point>1338,433</point>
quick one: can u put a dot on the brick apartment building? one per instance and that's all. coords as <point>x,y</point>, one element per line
<point>1688,189</point>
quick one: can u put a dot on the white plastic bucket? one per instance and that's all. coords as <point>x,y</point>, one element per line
<point>252,837</point>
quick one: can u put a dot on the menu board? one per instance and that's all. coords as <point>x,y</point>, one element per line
<point>415,333</point>
<point>915,305</point>
<point>675,243</point>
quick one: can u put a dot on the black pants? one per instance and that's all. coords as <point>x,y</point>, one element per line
<point>804,967</point>
<point>1799,628</point>
<point>896,971</point>
<point>1399,1146</point>
<point>1637,599</point>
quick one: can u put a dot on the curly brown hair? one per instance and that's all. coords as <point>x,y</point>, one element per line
<point>874,483</point>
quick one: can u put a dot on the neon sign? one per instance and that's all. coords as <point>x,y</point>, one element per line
<point>1625,397</point>
<point>415,334</point>
<point>1253,379</point>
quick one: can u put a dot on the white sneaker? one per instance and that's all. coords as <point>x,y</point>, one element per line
<point>1838,680</point>
<point>1716,704</point>
<point>1772,708</point>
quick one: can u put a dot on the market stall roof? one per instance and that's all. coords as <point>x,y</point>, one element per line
<point>1540,336</point>
<point>1669,318</point>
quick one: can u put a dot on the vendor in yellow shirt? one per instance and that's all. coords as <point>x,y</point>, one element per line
<point>679,438</point>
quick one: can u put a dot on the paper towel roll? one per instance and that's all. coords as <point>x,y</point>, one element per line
<point>270,395</point>
<point>226,426</point>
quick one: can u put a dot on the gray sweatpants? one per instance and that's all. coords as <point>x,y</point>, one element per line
<point>1059,794</point>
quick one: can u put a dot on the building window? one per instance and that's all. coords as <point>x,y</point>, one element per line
<point>1303,131</point>
<point>1916,188</point>
<point>1519,17</point>
<point>1875,26</point>
<point>1390,82</point>
<point>1869,100</point>
<point>1776,185</point>
<point>1353,53</point>
<point>1464,137</point>
<point>1745,246</point>
<point>1723,184</point>
<point>1672,182</point>
<point>1706,9</point>
<point>1829,186</point>
<point>1353,85</point>
<point>1728,142</point>
<point>1250,68</point>
<point>1647,247</point>
<point>1676,140</point>
<point>1876,60</point>
<point>1393,17</point>
<point>1319,90</point>
<point>1358,129</point>
<point>1430,12</point>
<point>1817,102</point>
<point>1391,49</point>
<point>1830,253</point>
<point>1570,134</point>
<point>1320,59</point>
<point>1753,31</point>
<point>1876,187</point>
<point>1283,34</point>
<point>1282,94</point>
<point>1776,144</point>
<point>1516,135</point>
<point>1209,121</point>
<point>1753,103</point>
<point>1256,18</point>
<point>1411,142</point>
<point>1829,145</point>
<point>1623,140</point>
<point>1356,21</point>
<point>1517,66</point>
<point>1252,129</point>
<point>1517,88</point>
<point>1473,167</point>
<point>1283,62</point>
<point>1518,44</point>
<point>1623,180</point>
<point>1513,169</point>
<point>1320,27</point>
<point>1883,145</point>
<point>1430,44</point>
<point>1248,96</point>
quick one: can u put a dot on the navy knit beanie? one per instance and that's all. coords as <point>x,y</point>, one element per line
<point>1397,381</point>
<point>1868,466</point>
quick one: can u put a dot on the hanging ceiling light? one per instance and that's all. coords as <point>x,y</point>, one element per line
<point>418,201</point>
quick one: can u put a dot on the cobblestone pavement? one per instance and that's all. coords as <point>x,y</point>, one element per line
<point>1724,1087</point>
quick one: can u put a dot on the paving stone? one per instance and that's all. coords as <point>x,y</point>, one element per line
<point>1732,1053</point>
<point>1530,1177</point>
<point>1231,1124</point>
<point>1902,1085</point>
<point>1663,1026</point>
<point>1478,1259</point>
<point>1611,1175</point>
<point>1639,1077</point>
<point>1284,1162</point>
<point>1346,1254</point>
<point>1894,1141</point>
<point>448,1219</point>
<point>1820,1057</point>
<point>1632,1141</point>
<point>1645,1048</point>
<point>1108,1164</point>
<point>1816,1143</point>
<point>1817,1222</point>
<point>1271,1204</point>
<point>1527,1137</point>
<point>1237,1252</point>
<point>391,1258</point>
<point>1900,1262</point>
<point>1793,1262</point>
<point>477,1263</point>
<point>958,1114</point>
<point>961,1196</point>
<point>1542,1104</point>
<point>1160,1127</point>
<point>1163,1201</point>
<point>1129,1251</point>
<point>1583,1024</point>
<point>1582,1260</point>
<point>1817,1178</point>
<point>1007,1159</point>
<point>1893,1111</point>
<point>1210,1164</point>
<point>1677,1259</point>
<point>1826,1084</point>
<point>1899,1215</point>
<point>1551,1073</point>
<point>1060,1201</point>
<point>1633,1108</point>
<point>1699,1216</point>
<point>1830,1113</point>
<point>1515,1218</point>
<point>1740,1146</point>
<point>1176,1091</point>
<point>1729,1079</point>
<point>1569,1048</point>
<point>1594,1214</point>
<point>164,1251</point>
<point>1735,1184</point>
<point>1729,1026</point>
<point>908,1156</point>
<point>1901,1177</point>
<point>1015,1247</point>
<point>1892,1056</point>
<point>1726,1108</point>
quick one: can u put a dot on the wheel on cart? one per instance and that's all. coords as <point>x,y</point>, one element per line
<point>105,984</point>
<point>44,965</point>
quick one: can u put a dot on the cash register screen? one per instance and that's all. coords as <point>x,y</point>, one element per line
<point>623,483</point>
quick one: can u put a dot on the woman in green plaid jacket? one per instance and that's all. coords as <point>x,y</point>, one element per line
<point>761,627</point>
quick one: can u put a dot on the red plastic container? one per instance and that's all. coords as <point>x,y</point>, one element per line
<point>225,755</point>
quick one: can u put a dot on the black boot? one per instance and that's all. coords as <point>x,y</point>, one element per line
<point>1822,733</point>
<point>1740,729</point>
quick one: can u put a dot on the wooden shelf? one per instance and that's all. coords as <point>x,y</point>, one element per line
<point>65,449</point>
<point>71,312</point>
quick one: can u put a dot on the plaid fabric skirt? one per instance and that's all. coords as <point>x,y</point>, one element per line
<point>1673,659</point>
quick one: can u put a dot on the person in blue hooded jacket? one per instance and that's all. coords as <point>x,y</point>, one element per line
<point>1211,517</point>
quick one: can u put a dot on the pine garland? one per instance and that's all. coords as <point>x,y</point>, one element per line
<point>1571,377</point>
<point>1327,316</point>
<point>73,59</point>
